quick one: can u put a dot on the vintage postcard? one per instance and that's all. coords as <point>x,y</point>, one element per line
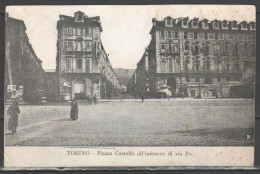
<point>130,86</point>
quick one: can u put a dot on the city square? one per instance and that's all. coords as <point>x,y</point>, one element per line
<point>129,122</point>
<point>133,79</point>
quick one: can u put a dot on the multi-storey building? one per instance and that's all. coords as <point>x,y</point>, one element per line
<point>24,75</point>
<point>83,66</point>
<point>195,58</point>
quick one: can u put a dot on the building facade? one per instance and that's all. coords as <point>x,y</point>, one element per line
<point>24,75</point>
<point>195,57</point>
<point>83,66</point>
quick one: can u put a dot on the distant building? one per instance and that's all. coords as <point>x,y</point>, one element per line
<point>195,57</point>
<point>83,66</point>
<point>24,76</point>
<point>52,85</point>
<point>123,89</point>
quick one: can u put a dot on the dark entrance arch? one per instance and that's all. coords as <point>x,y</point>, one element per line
<point>30,93</point>
<point>171,82</point>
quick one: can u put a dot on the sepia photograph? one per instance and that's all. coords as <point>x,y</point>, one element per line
<point>150,76</point>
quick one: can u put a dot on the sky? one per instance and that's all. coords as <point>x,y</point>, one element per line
<point>125,28</point>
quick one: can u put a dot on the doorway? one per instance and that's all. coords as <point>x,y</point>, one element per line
<point>171,83</point>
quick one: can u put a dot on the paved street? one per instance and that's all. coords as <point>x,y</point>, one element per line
<point>178,122</point>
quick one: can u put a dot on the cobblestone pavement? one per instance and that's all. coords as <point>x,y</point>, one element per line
<point>175,122</point>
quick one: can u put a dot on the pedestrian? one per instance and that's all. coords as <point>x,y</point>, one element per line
<point>74,110</point>
<point>142,97</point>
<point>13,111</point>
<point>95,99</point>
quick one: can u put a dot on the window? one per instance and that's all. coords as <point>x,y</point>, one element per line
<point>69,31</point>
<point>185,35</point>
<point>168,48</point>
<point>69,45</point>
<point>169,34</point>
<point>78,31</point>
<point>185,23</point>
<point>187,78</point>
<point>215,25</point>
<point>88,65</point>
<point>227,66</point>
<point>194,23</point>
<point>206,50</point>
<point>217,49</point>
<point>204,25</point>
<point>186,65</point>
<point>79,17</point>
<point>218,78</point>
<point>83,32</point>
<point>186,47</point>
<point>69,64</point>
<point>163,47</point>
<point>234,26</point>
<point>197,78</point>
<point>66,90</point>
<point>74,31</point>
<point>175,34</point>
<point>221,36</point>
<point>190,35</point>
<point>195,35</point>
<point>88,46</point>
<point>74,45</point>
<point>175,49</point>
<point>201,35</point>
<point>208,66</point>
<point>226,49</point>
<point>79,45</point>
<point>235,49</point>
<point>224,25</point>
<point>240,37</point>
<point>162,34</point>
<point>88,31</point>
<point>230,37</point>
<point>211,36</point>
<point>252,26</point>
<point>79,64</point>
<point>208,80</point>
<point>168,21</point>
<point>196,50</point>
<point>197,65</point>
<point>243,26</point>
<point>237,66</point>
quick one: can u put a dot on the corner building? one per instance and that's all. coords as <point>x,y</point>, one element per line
<point>83,66</point>
<point>24,75</point>
<point>196,57</point>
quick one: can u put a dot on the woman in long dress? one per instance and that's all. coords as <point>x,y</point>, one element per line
<point>13,111</point>
<point>74,110</point>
